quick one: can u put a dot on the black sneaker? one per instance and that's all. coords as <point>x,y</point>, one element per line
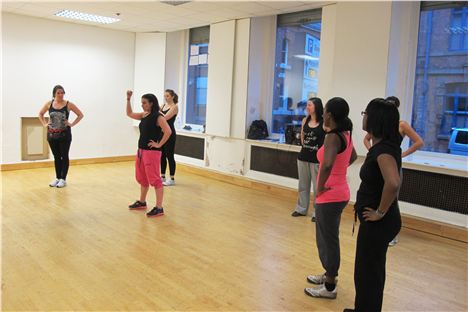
<point>137,205</point>
<point>155,212</point>
<point>297,214</point>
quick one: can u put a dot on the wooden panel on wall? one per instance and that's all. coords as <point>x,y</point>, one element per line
<point>33,139</point>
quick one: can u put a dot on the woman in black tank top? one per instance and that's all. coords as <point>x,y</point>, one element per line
<point>312,136</point>
<point>154,132</point>
<point>169,111</point>
<point>59,132</point>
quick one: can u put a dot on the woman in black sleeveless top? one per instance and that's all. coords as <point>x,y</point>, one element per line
<point>169,110</point>
<point>312,136</point>
<point>377,204</point>
<point>59,132</point>
<point>154,132</point>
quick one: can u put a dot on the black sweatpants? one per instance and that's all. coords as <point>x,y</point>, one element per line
<point>61,148</point>
<point>371,256</point>
<point>168,156</point>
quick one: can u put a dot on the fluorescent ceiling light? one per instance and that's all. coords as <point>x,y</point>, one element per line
<point>306,57</point>
<point>87,17</point>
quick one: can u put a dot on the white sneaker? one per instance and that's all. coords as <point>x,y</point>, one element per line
<point>169,182</point>
<point>319,279</point>
<point>321,292</point>
<point>54,183</point>
<point>393,242</point>
<point>61,183</point>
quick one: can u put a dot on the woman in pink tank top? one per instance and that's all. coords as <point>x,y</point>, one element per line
<point>335,156</point>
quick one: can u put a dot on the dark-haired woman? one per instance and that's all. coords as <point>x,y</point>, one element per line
<point>377,204</point>
<point>405,130</point>
<point>312,136</point>
<point>169,110</point>
<point>59,132</point>
<point>154,132</point>
<point>335,156</point>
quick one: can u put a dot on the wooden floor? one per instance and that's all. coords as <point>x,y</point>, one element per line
<point>219,247</point>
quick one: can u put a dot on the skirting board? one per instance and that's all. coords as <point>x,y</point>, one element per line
<point>409,222</point>
<point>73,162</point>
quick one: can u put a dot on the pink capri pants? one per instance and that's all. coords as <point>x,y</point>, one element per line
<point>147,166</point>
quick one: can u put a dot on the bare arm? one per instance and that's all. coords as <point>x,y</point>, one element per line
<point>78,113</point>
<point>367,141</point>
<point>353,157</point>
<point>42,112</point>
<point>413,136</point>
<point>390,173</point>
<point>302,130</point>
<point>161,122</point>
<point>130,113</point>
<point>330,145</point>
<point>174,110</point>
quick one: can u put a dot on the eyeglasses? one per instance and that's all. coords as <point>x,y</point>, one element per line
<point>363,113</point>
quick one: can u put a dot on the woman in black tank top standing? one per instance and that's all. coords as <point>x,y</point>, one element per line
<point>154,132</point>
<point>312,136</point>
<point>59,132</point>
<point>169,110</point>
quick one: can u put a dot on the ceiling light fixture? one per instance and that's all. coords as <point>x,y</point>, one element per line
<point>86,17</point>
<point>175,3</point>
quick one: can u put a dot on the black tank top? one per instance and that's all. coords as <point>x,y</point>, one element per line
<point>58,118</point>
<point>313,140</point>
<point>170,121</point>
<point>149,130</point>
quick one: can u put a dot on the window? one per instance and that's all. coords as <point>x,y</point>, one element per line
<point>296,66</point>
<point>459,29</point>
<point>441,87</point>
<point>197,76</point>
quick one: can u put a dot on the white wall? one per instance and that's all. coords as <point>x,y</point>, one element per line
<point>95,66</point>
<point>150,64</point>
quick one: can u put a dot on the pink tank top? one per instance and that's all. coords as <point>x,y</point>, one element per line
<point>339,189</point>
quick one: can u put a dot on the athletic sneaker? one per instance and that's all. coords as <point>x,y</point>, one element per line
<point>155,212</point>
<point>54,183</point>
<point>61,183</point>
<point>297,214</point>
<point>169,182</point>
<point>138,205</point>
<point>321,292</point>
<point>313,217</point>
<point>393,242</point>
<point>318,279</point>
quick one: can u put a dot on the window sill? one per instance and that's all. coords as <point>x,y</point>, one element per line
<point>437,162</point>
<point>193,133</point>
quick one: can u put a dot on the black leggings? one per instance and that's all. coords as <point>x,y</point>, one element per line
<point>168,155</point>
<point>60,149</point>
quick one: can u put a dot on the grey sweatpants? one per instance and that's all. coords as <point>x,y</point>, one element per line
<point>307,175</point>
<point>327,225</point>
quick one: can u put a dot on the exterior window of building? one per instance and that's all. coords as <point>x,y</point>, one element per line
<point>197,76</point>
<point>441,82</point>
<point>296,66</point>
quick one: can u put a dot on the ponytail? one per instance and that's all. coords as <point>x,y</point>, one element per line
<point>174,95</point>
<point>339,109</point>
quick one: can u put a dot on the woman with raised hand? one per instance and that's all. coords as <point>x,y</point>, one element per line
<point>154,132</point>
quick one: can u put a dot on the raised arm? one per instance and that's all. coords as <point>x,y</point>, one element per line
<point>391,175</point>
<point>42,112</point>
<point>130,112</point>
<point>174,110</point>
<point>78,113</point>
<point>413,136</point>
